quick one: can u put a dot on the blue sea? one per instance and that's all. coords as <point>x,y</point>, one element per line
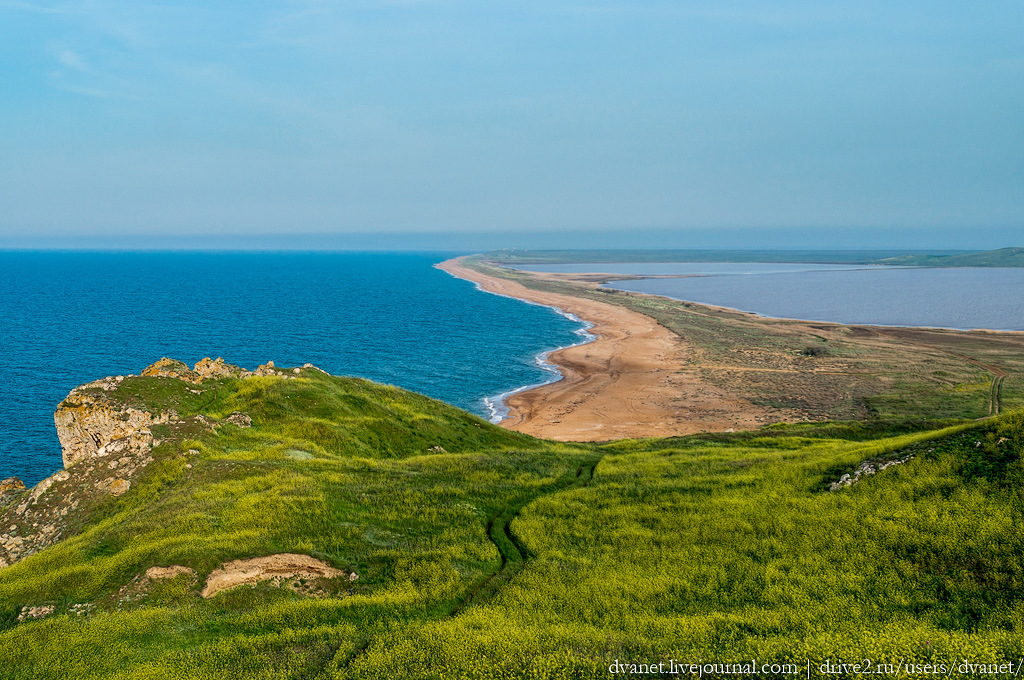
<point>960,298</point>
<point>67,318</point>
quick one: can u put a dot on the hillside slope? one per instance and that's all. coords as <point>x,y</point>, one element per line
<point>370,532</point>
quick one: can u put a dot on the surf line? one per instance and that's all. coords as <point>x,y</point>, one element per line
<point>497,405</point>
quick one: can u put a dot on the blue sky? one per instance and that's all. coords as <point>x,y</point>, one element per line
<point>183,119</point>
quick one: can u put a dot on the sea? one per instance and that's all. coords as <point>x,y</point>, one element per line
<point>67,318</point>
<point>957,298</point>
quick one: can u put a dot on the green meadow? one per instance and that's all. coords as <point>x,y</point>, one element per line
<point>484,553</point>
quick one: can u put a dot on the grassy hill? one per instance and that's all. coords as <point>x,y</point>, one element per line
<point>482,553</point>
<point>1004,257</point>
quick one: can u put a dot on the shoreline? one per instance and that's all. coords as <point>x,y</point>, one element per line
<point>607,280</point>
<point>498,403</point>
<point>631,381</point>
<point>793,319</point>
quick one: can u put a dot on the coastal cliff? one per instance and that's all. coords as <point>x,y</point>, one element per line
<point>106,433</point>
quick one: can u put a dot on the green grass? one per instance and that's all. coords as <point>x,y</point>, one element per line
<point>719,547</point>
<point>723,551</point>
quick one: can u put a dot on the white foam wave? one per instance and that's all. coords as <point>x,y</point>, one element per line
<point>496,405</point>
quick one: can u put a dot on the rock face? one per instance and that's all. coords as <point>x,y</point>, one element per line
<point>89,426</point>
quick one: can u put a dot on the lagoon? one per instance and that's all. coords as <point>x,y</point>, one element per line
<point>959,298</point>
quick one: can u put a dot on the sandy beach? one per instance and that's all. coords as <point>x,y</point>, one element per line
<point>632,381</point>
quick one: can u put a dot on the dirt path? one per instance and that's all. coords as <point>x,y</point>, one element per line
<point>513,552</point>
<point>997,373</point>
<point>994,405</point>
<point>631,382</point>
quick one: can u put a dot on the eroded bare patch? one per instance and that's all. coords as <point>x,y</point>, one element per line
<point>279,568</point>
<point>141,586</point>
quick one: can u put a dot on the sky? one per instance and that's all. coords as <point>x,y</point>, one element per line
<point>528,123</point>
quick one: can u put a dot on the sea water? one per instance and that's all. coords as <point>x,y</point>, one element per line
<point>67,318</point>
<point>959,298</point>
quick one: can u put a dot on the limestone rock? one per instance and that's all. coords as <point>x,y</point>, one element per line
<point>154,573</point>
<point>276,568</point>
<point>868,467</point>
<point>106,384</point>
<point>11,484</point>
<point>142,584</point>
<point>106,441</point>
<point>266,369</point>
<point>90,426</point>
<point>36,612</point>
<point>171,368</point>
<point>217,368</point>
<point>115,487</point>
<point>239,419</point>
<point>82,608</point>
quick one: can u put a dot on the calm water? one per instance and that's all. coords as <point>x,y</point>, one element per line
<point>885,296</point>
<point>69,318</point>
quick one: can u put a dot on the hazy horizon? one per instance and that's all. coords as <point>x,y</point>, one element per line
<point>936,241</point>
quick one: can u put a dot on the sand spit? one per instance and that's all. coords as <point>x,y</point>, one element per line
<point>632,381</point>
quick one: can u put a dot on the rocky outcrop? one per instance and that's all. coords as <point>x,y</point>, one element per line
<point>868,467</point>
<point>142,584</point>
<point>239,419</point>
<point>11,484</point>
<point>206,369</point>
<point>156,573</point>
<point>266,369</point>
<point>90,424</point>
<point>170,368</point>
<point>36,612</point>
<point>93,426</point>
<point>106,439</point>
